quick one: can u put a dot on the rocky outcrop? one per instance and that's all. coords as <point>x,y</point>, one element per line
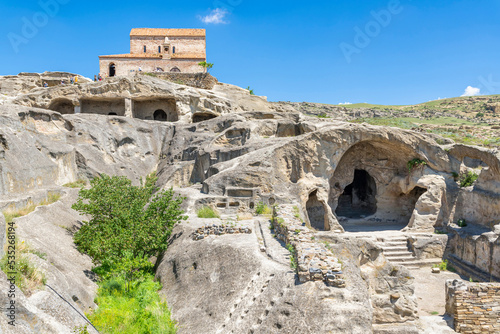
<point>59,305</point>
<point>121,95</point>
<point>230,150</point>
<point>25,82</point>
<point>226,283</point>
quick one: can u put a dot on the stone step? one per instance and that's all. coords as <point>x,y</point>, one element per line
<point>393,244</point>
<point>395,249</point>
<point>400,259</point>
<point>422,263</point>
<point>396,254</point>
<point>396,239</point>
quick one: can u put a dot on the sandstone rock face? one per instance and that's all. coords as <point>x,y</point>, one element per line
<point>428,246</point>
<point>225,284</point>
<point>59,306</point>
<point>126,96</point>
<point>25,82</point>
<point>230,150</point>
<point>41,149</point>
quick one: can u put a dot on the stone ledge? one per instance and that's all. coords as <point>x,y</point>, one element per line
<point>205,231</point>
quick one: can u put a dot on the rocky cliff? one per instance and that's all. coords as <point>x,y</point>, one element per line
<point>245,151</point>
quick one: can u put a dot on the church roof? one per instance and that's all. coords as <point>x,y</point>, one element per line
<point>134,55</point>
<point>157,56</point>
<point>153,32</point>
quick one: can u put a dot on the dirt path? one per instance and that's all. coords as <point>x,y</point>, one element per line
<point>430,292</point>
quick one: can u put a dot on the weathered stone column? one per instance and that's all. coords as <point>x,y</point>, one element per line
<point>78,109</point>
<point>129,108</point>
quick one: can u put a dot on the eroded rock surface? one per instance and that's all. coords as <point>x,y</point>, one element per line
<point>230,150</point>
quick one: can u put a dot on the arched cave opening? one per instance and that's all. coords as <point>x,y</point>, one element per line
<point>62,107</point>
<point>112,114</point>
<point>359,198</point>
<point>315,212</point>
<point>200,117</point>
<point>160,115</point>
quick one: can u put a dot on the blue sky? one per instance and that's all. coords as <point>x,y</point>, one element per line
<point>383,52</point>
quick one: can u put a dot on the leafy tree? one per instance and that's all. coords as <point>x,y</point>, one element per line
<point>126,221</point>
<point>206,66</point>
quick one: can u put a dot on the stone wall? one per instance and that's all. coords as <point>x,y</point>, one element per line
<point>130,66</point>
<point>181,44</point>
<point>314,262</point>
<point>481,250</point>
<point>197,80</point>
<point>475,307</point>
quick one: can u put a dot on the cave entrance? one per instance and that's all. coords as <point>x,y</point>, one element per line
<point>359,198</point>
<point>63,106</point>
<point>160,115</point>
<point>112,70</point>
<point>201,117</point>
<point>315,212</point>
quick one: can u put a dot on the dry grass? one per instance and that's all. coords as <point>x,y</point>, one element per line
<point>11,214</point>
<point>27,276</point>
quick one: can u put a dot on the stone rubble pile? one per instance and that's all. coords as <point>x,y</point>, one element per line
<point>203,232</point>
<point>315,262</point>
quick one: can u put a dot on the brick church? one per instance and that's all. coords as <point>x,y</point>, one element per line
<point>158,50</point>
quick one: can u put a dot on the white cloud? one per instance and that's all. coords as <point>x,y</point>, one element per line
<point>345,103</point>
<point>472,91</point>
<point>216,16</point>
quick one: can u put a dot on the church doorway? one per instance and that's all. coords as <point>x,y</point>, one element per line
<point>359,198</point>
<point>160,115</point>
<point>112,70</point>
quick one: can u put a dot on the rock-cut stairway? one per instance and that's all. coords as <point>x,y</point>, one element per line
<point>395,249</point>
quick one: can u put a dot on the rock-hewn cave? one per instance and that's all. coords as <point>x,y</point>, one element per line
<point>62,106</point>
<point>358,199</point>
<point>315,212</point>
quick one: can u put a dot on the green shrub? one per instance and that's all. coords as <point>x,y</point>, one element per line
<point>415,163</point>
<point>125,219</point>
<point>462,223</point>
<point>479,115</point>
<point>262,209</point>
<point>443,266</point>
<point>207,212</point>
<point>468,179</point>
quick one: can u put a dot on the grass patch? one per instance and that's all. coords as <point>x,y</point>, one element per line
<point>293,260</point>
<point>76,184</point>
<point>207,212</point>
<point>392,122</point>
<point>135,309</point>
<point>27,276</point>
